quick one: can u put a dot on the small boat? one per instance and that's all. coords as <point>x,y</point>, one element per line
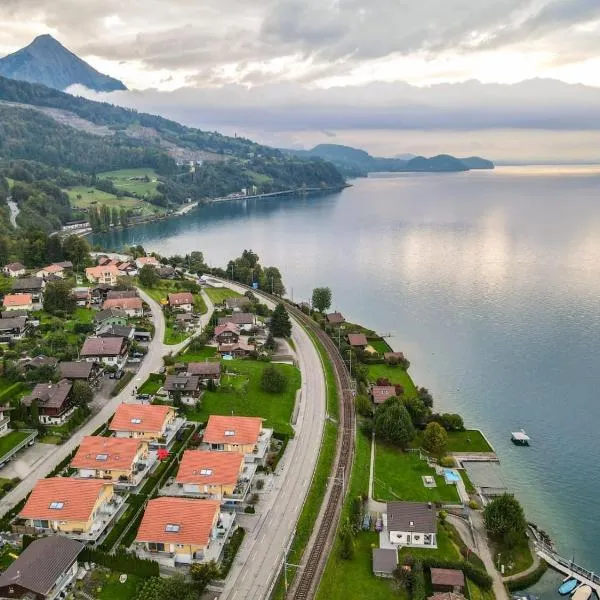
<point>520,438</point>
<point>583,592</point>
<point>524,597</point>
<point>567,586</point>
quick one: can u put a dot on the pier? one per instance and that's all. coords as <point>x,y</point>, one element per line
<point>568,567</point>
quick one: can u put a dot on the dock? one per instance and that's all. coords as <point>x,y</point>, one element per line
<point>568,567</point>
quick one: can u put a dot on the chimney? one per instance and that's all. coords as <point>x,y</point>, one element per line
<point>429,505</point>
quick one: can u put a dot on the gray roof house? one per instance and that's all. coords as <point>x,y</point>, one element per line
<point>237,303</point>
<point>186,385</point>
<point>77,370</point>
<point>385,561</point>
<point>47,566</point>
<point>412,524</point>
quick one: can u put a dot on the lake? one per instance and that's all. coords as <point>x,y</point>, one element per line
<point>489,281</point>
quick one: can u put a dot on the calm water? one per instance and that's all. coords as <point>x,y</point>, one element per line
<point>489,281</point>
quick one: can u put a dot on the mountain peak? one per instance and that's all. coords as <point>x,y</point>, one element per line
<point>45,60</point>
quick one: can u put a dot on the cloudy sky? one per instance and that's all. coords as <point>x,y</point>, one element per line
<point>504,78</point>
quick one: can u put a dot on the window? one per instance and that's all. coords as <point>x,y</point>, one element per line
<point>412,523</point>
<point>136,421</point>
<point>56,505</point>
<point>229,432</point>
<point>101,456</point>
<point>171,528</point>
<point>206,471</point>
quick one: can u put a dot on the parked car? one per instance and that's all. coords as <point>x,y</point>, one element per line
<point>143,396</point>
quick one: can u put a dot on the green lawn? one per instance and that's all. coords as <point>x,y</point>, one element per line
<point>398,476</point>
<point>395,375</point>
<point>152,384</point>
<point>12,439</point>
<point>112,589</point>
<point>198,355</point>
<point>470,440</point>
<point>219,295</point>
<point>84,315</point>
<point>199,304</point>
<point>86,196</point>
<point>258,178</point>
<point>516,559</point>
<point>49,439</point>
<point>128,180</point>
<point>380,345</point>
<point>446,550</point>
<point>174,336</point>
<point>476,593</point>
<point>242,395</point>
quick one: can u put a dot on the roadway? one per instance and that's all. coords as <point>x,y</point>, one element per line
<point>152,362</point>
<point>261,555</point>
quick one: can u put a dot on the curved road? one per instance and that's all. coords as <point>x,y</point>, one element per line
<point>261,556</point>
<point>152,362</point>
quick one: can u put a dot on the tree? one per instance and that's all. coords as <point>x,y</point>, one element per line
<point>505,520</point>
<point>270,343</point>
<point>77,250</point>
<point>403,576</point>
<point>81,393</point>
<point>419,413</point>
<point>392,423</point>
<point>123,217</point>
<point>273,380</point>
<point>115,216</point>
<point>195,262</point>
<point>35,413</point>
<point>321,298</point>
<point>435,439</point>
<point>347,541</point>
<point>203,573</point>
<point>363,405</point>
<point>148,276</point>
<point>281,326</point>
<point>54,249</point>
<point>58,298</point>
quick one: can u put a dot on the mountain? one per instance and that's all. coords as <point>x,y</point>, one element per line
<point>48,62</point>
<point>353,162</point>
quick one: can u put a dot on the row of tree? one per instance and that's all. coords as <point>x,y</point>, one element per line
<point>103,218</point>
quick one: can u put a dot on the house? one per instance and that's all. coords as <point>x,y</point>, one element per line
<point>237,350</point>
<point>380,393</point>
<point>18,302</point>
<point>246,321</point>
<point>100,292</point>
<point>213,475</point>
<point>412,524</point>
<point>447,580</point>
<point>182,301</point>
<point>79,508</point>
<point>108,351</point>
<point>116,331</point>
<point>187,386</point>
<point>15,269</point>
<point>184,321</point>
<point>238,434</point>
<point>127,269</point>
<point>149,422</point>
<point>166,272</point>
<point>183,530</point>
<point>83,296</point>
<point>335,318</point>
<point>206,371</point>
<point>237,303</point>
<point>120,294</point>
<point>358,340</point>
<point>132,307</point>
<point>117,459</point>
<point>65,264</point>
<point>43,571</point>
<point>13,329</point>
<point>111,316</point>
<point>54,269</point>
<point>80,370</point>
<point>227,334</point>
<point>53,400</point>
<point>146,260</point>
<point>385,562</point>
<point>30,285</point>
<point>397,356</point>
<point>11,314</point>
<point>107,275</point>
<point>41,361</point>
<point>4,419</point>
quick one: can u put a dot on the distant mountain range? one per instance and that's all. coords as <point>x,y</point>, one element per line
<point>353,162</point>
<point>48,62</point>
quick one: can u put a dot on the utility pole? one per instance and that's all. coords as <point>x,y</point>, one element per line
<point>231,271</point>
<point>350,355</point>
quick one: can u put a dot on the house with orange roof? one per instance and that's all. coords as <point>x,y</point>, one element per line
<point>223,476</point>
<point>78,508</point>
<point>123,461</point>
<point>53,269</point>
<point>245,435</point>
<point>146,260</point>
<point>182,531</point>
<point>149,422</point>
<point>132,307</point>
<point>18,302</point>
<point>181,301</point>
<point>106,275</point>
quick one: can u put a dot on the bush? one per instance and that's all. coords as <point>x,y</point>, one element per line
<point>478,576</point>
<point>127,377</point>
<point>418,588</point>
<point>230,550</point>
<point>250,510</point>
<point>121,561</point>
<point>260,484</point>
<point>273,380</point>
<point>448,462</point>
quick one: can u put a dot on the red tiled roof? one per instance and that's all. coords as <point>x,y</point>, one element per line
<point>14,267</point>
<point>204,368</point>
<point>449,577</point>
<point>78,497</point>
<point>382,392</point>
<point>193,521</point>
<point>151,416</point>
<point>219,329</point>
<point>99,271</point>
<point>335,318</point>
<point>222,468</point>
<point>123,303</point>
<point>17,299</point>
<point>114,453</point>
<point>98,346</point>
<point>241,430</point>
<point>54,268</point>
<point>357,339</point>
<point>147,260</point>
<point>388,355</point>
<point>181,298</point>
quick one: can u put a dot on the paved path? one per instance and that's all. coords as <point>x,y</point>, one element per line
<point>531,569</point>
<point>151,363</point>
<point>261,555</point>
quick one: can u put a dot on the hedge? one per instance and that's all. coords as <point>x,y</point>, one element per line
<point>230,551</point>
<point>418,586</point>
<point>133,504</point>
<point>127,377</point>
<point>479,577</point>
<point>121,561</point>
<point>528,580</point>
<point>62,464</point>
<point>7,519</point>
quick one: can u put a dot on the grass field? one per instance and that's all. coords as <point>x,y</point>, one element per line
<point>173,335</point>
<point>515,559</point>
<point>380,345</point>
<point>49,439</point>
<point>218,295</point>
<point>241,394</point>
<point>84,315</point>
<point>152,384</point>
<point>258,177</point>
<point>398,476</point>
<point>198,355</point>
<point>131,180</point>
<point>12,439</point>
<point>470,440</point>
<point>112,589</point>
<point>395,375</point>
<point>446,548</point>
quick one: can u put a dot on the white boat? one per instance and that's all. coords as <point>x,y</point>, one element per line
<point>583,592</point>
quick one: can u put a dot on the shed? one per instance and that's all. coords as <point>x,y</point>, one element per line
<point>447,580</point>
<point>385,561</point>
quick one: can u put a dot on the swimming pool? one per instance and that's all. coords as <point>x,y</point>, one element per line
<point>451,476</point>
